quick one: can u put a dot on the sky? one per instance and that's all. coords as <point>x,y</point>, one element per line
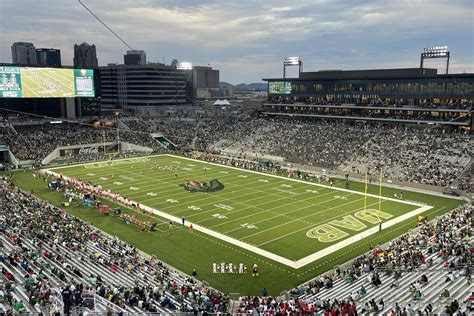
<point>247,40</point>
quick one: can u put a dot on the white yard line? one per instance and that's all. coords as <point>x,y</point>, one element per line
<point>300,181</point>
<point>327,220</point>
<point>306,216</point>
<point>348,241</point>
<point>253,214</point>
<point>247,206</point>
<point>293,219</point>
<point>295,264</point>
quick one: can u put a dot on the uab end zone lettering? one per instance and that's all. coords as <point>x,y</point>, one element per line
<point>329,233</point>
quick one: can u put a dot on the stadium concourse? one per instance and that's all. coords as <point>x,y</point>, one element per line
<point>54,262</point>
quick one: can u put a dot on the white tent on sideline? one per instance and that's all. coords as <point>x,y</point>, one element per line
<point>221,103</point>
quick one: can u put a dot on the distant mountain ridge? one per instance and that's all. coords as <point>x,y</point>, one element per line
<point>259,86</point>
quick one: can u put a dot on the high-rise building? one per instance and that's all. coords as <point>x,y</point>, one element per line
<point>24,53</point>
<point>143,85</point>
<point>85,56</point>
<point>134,57</point>
<point>205,81</point>
<point>205,77</point>
<point>50,57</point>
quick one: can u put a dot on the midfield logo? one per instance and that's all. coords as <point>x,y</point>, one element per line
<point>199,186</point>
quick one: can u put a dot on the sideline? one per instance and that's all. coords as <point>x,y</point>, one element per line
<point>295,264</point>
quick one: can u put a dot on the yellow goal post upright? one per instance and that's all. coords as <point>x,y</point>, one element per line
<point>366,186</point>
<point>380,190</point>
<point>380,193</point>
<point>380,197</point>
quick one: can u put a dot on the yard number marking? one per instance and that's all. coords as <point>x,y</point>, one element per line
<point>224,207</point>
<point>249,226</point>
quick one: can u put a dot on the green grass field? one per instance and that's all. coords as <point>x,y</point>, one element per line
<point>47,83</point>
<point>288,219</point>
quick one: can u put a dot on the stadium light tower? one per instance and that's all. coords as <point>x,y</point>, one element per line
<point>434,52</point>
<point>292,61</point>
<point>184,65</point>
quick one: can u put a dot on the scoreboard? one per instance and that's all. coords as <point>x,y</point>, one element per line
<point>279,87</point>
<point>35,82</point>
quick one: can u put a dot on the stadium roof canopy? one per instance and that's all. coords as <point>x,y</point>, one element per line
<point>401,73</point>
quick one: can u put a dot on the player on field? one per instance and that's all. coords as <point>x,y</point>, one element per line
<point>255,270</point>
<point>241,267</point>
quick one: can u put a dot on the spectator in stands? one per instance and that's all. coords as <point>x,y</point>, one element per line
<point>449,277</point>
<point>67,299</point>
<point>445,293</point>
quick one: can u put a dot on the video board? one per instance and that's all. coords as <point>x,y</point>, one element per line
<point>34,82</point>
<point>279,87</point>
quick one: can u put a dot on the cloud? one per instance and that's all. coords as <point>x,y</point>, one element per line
<point>248,39</point>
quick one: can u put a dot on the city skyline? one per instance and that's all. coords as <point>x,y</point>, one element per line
<point>248,41</point>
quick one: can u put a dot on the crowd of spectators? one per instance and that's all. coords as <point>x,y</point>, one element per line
<point>269,305</point>
<point>449,237</point>
<point>377,103</point>
<point>395,113</point>
<point>56,252</point>
<point>35,142</point>
<point>53,248</point>
<point>464,182</point>
<point>420,154</point>
<point>414,154</point>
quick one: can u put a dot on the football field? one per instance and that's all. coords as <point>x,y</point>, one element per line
<point>47,82</point>
<point>286,220</point>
